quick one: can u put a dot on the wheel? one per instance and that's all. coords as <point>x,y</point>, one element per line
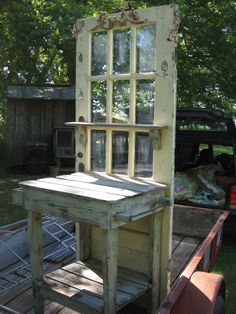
<point>219,305</point>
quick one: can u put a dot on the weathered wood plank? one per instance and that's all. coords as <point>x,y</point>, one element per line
<point>123,273</point>
<point>176,239</point>
<point>117,181</point>
<point>190,221</point>
<point>90,281</point>
<point>90,211</point>
<point>135,214</point>
<point>127,238</point>
<point>109,267</point>
<point>91,187</point>
<point>36,256</point>
<point>22,303</point>
<point>71,208</point>
<point>77,277</point>
<point>182,255</point>
<point>155,260</point>
<point>72,298</point>
<point>75,191</point>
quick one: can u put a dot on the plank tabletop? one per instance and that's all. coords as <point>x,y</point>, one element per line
<point>93,185</point>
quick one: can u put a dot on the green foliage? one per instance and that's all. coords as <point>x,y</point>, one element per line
<point>225,265</point>
<point>206,54</point>
<point>37,46</point>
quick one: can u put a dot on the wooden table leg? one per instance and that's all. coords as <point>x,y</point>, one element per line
<point>36,257</point>
<point>155,252</point>
<point>109,255</point>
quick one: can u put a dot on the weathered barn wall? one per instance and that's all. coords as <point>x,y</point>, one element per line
<point>34,119</point>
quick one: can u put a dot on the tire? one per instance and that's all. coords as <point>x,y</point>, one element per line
<point>219,305</point>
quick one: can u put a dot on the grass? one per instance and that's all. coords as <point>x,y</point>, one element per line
<point>226,266</point>
<point>10,213</point>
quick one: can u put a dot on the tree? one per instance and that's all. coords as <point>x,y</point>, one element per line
<point>207,54</point>
<point>37,46</point>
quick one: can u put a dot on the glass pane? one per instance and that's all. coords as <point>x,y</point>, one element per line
<point>145,97</point>
<point>143,155</point>
<point>99,53</point>
<point>146,48</point>
<point>98,101</point>
<point>120,152</point>
<point>121,51</point>
<point>120,107</point>
<point>98,150</point>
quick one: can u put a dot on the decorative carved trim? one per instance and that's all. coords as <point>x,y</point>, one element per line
<point>123,18</point>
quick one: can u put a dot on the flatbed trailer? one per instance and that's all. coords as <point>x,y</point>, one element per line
<point>206,224</point>
<point>197,235</point>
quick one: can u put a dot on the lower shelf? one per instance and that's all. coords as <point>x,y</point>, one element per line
<point>80,286</point>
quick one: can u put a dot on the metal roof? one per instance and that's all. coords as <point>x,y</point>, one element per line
<point>41,92</point>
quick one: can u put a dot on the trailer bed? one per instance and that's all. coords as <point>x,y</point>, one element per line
<point>196,233</point>
<point>21,299</point>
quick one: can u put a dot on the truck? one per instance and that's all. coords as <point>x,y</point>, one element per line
<point>205,161</point>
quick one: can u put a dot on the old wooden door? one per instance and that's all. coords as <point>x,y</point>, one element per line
<point>126,99</point>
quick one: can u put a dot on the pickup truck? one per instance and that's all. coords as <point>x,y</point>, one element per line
<point>205,159</point>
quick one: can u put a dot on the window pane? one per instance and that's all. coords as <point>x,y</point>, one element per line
<point>98,150</point>
<point>143,155</point>
<point>146,48</point>
<point>121,51</point>
<point>120,152</point>
<point>120,107</point>
<point>98,101</point>
<point>99,53</point>
<point>145,97</point>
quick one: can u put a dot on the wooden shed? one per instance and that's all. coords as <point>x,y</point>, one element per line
<point>33,114</point>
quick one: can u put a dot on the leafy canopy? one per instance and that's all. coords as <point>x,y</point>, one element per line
<point>37,46</point>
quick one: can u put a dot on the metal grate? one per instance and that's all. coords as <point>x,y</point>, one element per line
<point>59,247</point>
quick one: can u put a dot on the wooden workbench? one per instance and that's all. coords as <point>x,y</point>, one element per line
<point>125,218</point>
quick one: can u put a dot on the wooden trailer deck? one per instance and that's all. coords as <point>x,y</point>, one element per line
<point>20,299</point>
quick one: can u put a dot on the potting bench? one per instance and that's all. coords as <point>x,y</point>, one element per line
<point>124,128</point>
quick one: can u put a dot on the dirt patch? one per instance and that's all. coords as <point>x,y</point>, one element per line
<point>10,213</point>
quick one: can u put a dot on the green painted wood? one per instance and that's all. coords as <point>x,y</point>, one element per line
<point>83,238</point>
<point>83,301</point>
<point>155,255</point>
<point>129,275</point>
<point>87,210</point>
<point>109,265</point>
<point>117,181</point>
<point>135,214</point>
<point>116,126</point>
<point>36,257</point>
<point>71,190</point>
<point>90,187</point>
